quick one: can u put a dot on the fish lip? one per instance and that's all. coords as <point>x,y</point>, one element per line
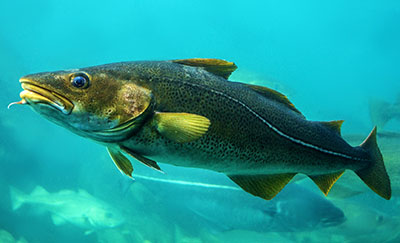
<point>34,93</point>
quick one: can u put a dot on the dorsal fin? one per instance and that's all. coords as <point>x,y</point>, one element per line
<point>334,125</point>
<point>274,95</point>
<point>218,67</point>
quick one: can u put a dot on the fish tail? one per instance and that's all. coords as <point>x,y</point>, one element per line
<point>380,112</point>
<point>18,198</point>
<point>375,175</point>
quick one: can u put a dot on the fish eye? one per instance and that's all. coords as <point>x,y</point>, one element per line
<point>80,80</point>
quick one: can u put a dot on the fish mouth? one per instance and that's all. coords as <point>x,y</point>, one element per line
<point>35,94</point>
<point>329,222</point>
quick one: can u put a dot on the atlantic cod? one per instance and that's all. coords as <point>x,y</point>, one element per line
<point>78,208</point>
<point>223,207</point>
<point>186,113</point>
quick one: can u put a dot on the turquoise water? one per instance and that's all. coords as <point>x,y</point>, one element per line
<point>331,59</point>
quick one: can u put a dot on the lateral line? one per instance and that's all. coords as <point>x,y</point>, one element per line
<point>276,130</point>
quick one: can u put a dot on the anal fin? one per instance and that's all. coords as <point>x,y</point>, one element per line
<point>325,182</point>
<point>122,163</point>
<point>264,186</point>
<point>148,162</point>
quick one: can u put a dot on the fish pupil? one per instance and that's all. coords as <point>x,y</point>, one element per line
<point>79,81</point>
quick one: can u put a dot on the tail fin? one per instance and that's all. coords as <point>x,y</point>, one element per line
<point>18,198</point>
<point>375,175</point>
<point>380,112</point>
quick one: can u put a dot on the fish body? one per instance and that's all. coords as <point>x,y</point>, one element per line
<point>227,207</point>
<point>66,206</point>
<point>239,140</point>
<point>186,113</point>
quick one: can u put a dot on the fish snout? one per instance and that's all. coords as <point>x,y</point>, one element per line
<point>35,94</point>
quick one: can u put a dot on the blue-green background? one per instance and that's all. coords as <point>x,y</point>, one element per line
<point>329,57</point>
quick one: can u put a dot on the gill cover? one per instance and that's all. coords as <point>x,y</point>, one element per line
<point>132,106</point>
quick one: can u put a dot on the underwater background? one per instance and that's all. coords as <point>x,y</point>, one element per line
<point>334,60</point>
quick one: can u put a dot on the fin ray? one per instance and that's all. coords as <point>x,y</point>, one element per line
<point>264,186</point>
<point>181,127</point>
<point>375,175</point>
<point>274,95</point>
<point>334,125</point>
<point>218,67</point>
<point>325,182</point>
<point>122,163</point>
<point>148,162</point>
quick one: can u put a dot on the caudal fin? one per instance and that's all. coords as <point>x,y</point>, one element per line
<point>18,198</point>
<point>375,175</point>
<point>380,112</point>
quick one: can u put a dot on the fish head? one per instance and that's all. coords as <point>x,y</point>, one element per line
<point>95,102</point>
<point>330,216</point>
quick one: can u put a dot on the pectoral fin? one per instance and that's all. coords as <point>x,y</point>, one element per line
<point>181,127</point>
<point>148,162</point>
<point>325,182</point>
<point>57,220</point>
<point>264,186</point>
<point>122,163</point>
<point>88,232</point>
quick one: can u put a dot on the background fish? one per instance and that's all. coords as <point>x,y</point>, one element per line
<point>225,207</point>
<point>381,112</point>
<point>185,112</point>
<point>78,208</point>
<point>6,237</point>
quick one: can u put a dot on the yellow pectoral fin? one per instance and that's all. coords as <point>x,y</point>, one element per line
<point>181,127</point>
<point>122,163</point>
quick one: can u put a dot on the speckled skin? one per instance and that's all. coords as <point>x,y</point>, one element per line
<point>238,140</point>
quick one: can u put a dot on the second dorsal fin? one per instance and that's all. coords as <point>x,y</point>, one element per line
<point>274,95</point>
<point>218,67</point>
